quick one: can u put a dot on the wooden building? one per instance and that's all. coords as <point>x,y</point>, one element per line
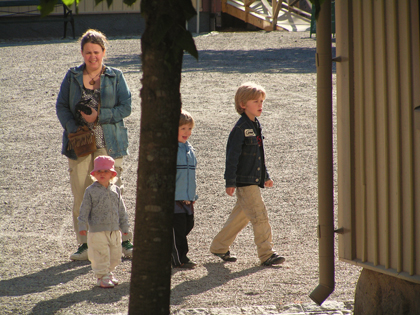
<point>378,91</point>
<point>378,142</point>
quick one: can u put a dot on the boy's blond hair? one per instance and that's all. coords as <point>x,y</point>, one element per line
<point>186,119</point>
<point>247,91</point>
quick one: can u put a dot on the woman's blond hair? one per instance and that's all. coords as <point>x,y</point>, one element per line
<point>94,37</point>
<point>247,91</point>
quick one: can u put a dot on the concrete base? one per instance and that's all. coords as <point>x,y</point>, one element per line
<point>380,294</point>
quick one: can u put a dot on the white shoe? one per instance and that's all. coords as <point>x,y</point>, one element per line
<point>113,279</point>
<point>105,282</point>
<point>81,254</point>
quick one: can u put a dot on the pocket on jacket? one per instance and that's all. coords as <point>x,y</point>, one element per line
<point>251,141</point>
<point>122,136</point>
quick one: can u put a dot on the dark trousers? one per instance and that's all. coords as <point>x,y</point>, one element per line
<point>183,224</point>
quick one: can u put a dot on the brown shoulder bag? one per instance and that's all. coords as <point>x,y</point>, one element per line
<point>83,141</point>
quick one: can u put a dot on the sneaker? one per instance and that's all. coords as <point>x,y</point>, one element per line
<point>226,256</point>
<point>188,265</point>
<point>81,254</point>
<point>127,249</point>
<point>275,259</point>
<point>105,282</point>
<point>113,279</point>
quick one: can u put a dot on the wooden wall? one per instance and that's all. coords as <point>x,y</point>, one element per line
<point>378,88</point>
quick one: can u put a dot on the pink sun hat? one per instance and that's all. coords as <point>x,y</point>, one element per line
<point>104,162</point>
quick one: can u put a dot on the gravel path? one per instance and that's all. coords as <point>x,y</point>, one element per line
<point>36,236</point>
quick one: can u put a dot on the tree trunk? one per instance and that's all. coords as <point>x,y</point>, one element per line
<point>160,110</point>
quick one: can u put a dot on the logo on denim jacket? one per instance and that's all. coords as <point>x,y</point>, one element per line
<point>249,133</point>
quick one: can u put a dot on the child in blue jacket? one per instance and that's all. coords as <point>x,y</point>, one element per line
<point>185,194</point>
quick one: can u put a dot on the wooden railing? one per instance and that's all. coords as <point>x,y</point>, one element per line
<point>265,13</point>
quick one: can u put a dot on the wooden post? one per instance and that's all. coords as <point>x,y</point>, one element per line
<point>276,9</point>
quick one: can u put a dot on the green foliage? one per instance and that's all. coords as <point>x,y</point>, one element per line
<point>70,2</point>
<point>129,2</point>
<point>166,22</point>
<point>46,7</point>
<point>317,4</point>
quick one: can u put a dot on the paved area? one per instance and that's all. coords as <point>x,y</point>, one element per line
<point>36,233</point>
<point>327,308</point>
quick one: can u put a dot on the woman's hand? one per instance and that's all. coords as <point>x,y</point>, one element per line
<point>90,118</point>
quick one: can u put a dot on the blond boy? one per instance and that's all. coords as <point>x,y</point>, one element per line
<point>246,173</point>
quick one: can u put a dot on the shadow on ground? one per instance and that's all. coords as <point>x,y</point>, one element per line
<point>283,60</point>
<point>94,296</point>
<point>45,279</point>
<point>217,275</point>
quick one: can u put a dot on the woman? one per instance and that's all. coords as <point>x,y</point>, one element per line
<point>105,91</point>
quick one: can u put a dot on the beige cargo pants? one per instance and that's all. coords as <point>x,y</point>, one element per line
<point>104,251</point>
<point>249,207</point>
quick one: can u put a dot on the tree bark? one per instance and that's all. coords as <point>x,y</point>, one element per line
<point>160,110</point>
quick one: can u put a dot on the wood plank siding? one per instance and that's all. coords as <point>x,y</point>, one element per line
<point>85,7</point>
<point>378,87</point>
<point>89,7</point>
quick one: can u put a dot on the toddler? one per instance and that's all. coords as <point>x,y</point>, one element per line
<point>103,213</point>
<point>185,194</point>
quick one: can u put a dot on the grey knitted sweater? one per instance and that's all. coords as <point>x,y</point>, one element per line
<point>103,209</point>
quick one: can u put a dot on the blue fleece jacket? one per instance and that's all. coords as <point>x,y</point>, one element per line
<point>186,164</point>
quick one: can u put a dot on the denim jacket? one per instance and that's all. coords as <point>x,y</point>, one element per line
<point>244,162</point>
<point>115,105</point>
<point>185,188</point>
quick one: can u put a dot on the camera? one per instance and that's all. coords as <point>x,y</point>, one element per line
<point>81,106</point>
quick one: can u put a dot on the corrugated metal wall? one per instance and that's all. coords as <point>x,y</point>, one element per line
<point>378,87</point>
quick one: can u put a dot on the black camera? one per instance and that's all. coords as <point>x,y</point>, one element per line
<point>83,107</point>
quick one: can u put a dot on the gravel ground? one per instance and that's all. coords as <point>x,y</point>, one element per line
<point>36,234</point>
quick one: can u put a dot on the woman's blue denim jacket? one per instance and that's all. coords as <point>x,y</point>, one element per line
<point>244,162</point>
<point>186,163</point>
<point>115,105</point>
